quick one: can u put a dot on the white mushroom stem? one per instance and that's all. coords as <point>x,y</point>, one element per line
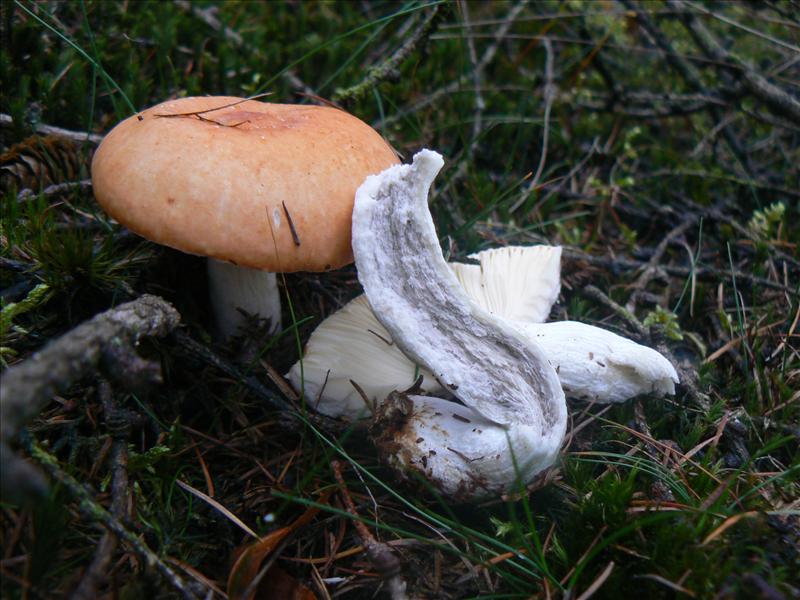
<point>512,395</point>
<point>236,291</point>
<point>600,366</point>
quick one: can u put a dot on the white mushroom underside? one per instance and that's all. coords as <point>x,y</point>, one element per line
<point>520,283</point>
<point>592,364</point>
<point>488,365</point>
<point>351,346</point>
<point>600,366</point>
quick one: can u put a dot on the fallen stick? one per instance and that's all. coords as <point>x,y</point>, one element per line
<point>106,342</point>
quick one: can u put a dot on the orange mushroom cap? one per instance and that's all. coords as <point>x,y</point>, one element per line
<point>267,186</point>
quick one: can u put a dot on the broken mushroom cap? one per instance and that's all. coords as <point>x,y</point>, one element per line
<point>518,284</point>
<point>342,352</point>
<point>264,186</point>
<point>352,346</point>
<point>502,379</point>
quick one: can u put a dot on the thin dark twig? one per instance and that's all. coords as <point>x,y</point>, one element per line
<point>197,113</point>
<point>687,374</point>
<point>486,58</point>
<point>6,122</point>
<point>477,78</point>
<point>201,352</point>
<point>776,99</point>
<point>295,237</point>
<point>550,92</point>
<point>106,341</point>
<point>742,26</point>
<point>380,555</point>
<point>119,425</point>
<point>651,268</point>
<point>55,190</point>
<point>28,386</point>
<point>207,16</point>
<point>618,262</point>
<point>690,74</point>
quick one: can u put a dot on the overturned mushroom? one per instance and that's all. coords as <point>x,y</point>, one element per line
<point>515,283</point>
<point>513,416</point>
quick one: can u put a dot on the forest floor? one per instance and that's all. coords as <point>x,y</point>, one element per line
<point>657,142</point>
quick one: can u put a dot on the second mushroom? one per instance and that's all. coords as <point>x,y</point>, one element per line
<point>473,332</point>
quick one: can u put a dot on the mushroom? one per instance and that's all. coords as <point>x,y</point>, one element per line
<point>375,363</point>
<point>513,417</point>
<point>517,284</point>
<point>256,187</point>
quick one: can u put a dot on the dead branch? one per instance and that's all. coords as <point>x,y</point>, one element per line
<point>486,58</point>
<point>382,557</point>
<point>652,267</point>
<point>194,349</point>
<point>291,414</point>
<point>776,99</point>
<point>550,92</point>
<point>687,373</point>
<point>27,387</point>
<point>55,190</point>
<point>388,68</point>
<point>93,512</point>
<point>106,341</point>
<point>118,423</point>
<point>7,122</point>
<point>208,16</point>
<point>618,262</point>
<point>689,73</point>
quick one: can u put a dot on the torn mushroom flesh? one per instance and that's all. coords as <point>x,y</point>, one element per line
<point>513,417</point>
<point>592,363</point>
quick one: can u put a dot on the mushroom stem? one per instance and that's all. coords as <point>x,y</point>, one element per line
<point>515,415</point>
<point>236,291</point>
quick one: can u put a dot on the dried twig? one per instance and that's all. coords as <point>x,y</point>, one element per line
<point>55,190</point>
<point>28,386</point>
<point>776,99</point>
<point>6,122</point>
<point>388,68</point>
<point>486,58</point>
<point>690,74</point>
<point>477,80</point>
<point>105,341</point>
<point>652,267</point>
<point>618,262</point>
<point>203,353</point>
<point>550,92</point>
<point>96,513</point>
<point>208,16</point>
<point>290,412</point>
<point>687,374</point>
<point>380,555</point>
<point>119,424</point>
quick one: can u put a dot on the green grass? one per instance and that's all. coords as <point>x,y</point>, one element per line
<point>623,510</point>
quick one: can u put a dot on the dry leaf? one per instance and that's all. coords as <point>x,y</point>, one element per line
<point>276,583</point>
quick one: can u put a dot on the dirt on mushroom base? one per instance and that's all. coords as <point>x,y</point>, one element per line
<point>393,436</point>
